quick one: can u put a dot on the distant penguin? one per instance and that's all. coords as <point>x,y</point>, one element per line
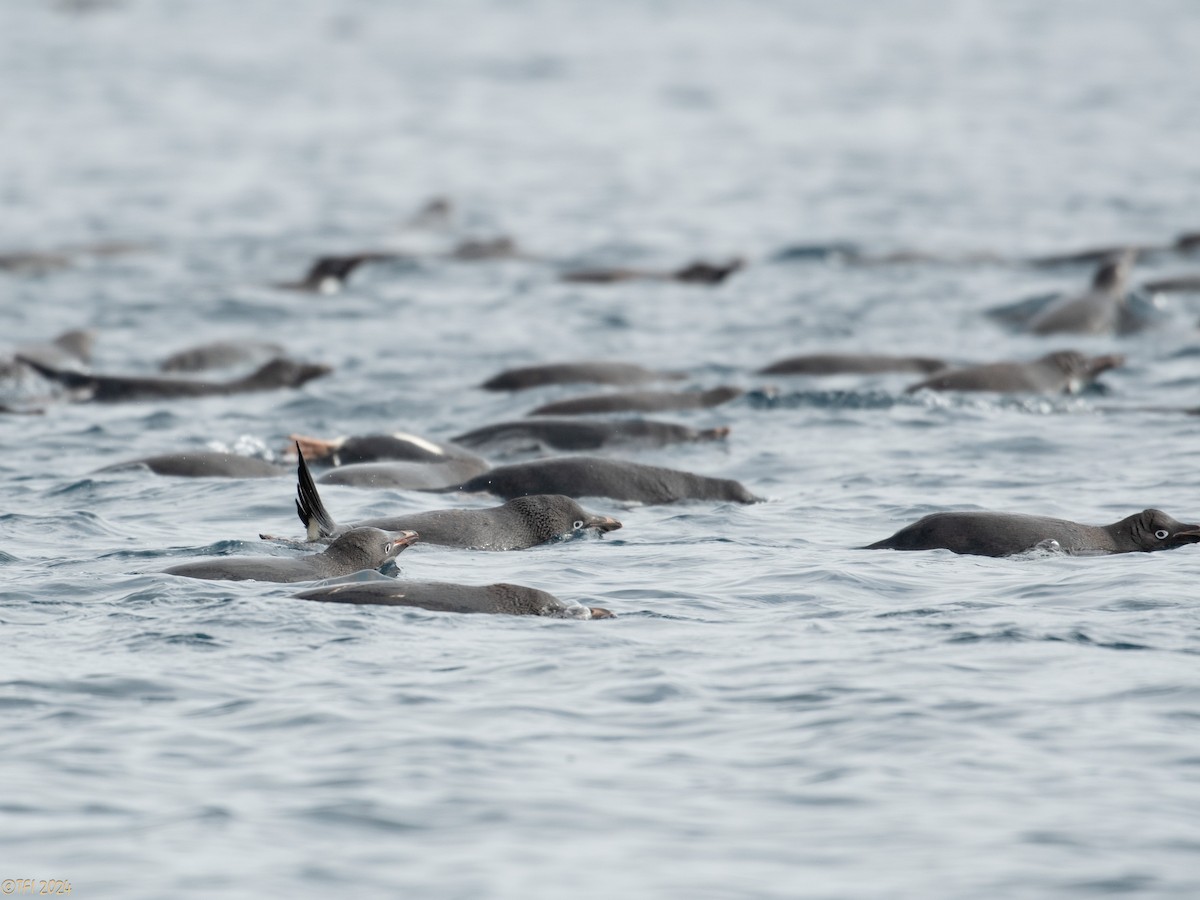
<point>1175,284</point>
<point>1101,310</point>
<point>278,373</point>
<point>399,446</point>
<point>1094,256</point>
<point>357,549</point>
<point>33,262</point>
<point>503,599</point>
<point>1063,371</point>
<point>435,213</point>
<point>852,364</point>
<point>328,274</point>
<point>585,372</point>
<point>400,461</point>
<point>697,272</point>
<point>406,475</point>
<point>1003,534</point>
<point>584,434</point>
<point>639,401</point>
<point>203,464</point>
<point>220,355</point>
<point>588,476</point>
<point>477,250</point>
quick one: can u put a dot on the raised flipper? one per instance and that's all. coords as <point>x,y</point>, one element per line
<point>317,521</point>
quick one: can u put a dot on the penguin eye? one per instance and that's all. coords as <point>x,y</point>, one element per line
<point>1162,534</point>
<point>387,548</point>
<point>578,524</point>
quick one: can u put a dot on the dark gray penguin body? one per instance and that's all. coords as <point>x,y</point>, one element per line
<point>481,249</point>
<point>32,262</point>
<point>589,476</point>
<point>407,476</point>
<point>852,364</point>
<point>279,373</point>
<point>1092,256</point>
<point>1003,534</point>
<point>698,272</point>
<point>396,447</point>
<point>1063,371</point>
<point>639,401</point>
<point>1100,310</point>
<point>328,274</point>
<point>517,525</point>
<point>221,355</point>
<point>584,434</point>
<point>204,464</point>
<point>357,549</point>
<point>434,213</point>
<point>1175,284</point>
<point>1185,243</point>
<point>502,599</point>
<point>592,372</point>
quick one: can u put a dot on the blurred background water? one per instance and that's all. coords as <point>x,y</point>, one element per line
<point>774,713</point>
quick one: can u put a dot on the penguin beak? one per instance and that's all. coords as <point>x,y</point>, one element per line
<point>402,540</point>
<point>604,523</point>
<point>599,612</point>
<point>1189,535</point>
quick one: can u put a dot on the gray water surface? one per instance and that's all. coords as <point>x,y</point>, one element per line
<point>773,713</point>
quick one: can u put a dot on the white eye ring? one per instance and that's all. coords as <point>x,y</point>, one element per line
<point>387,548</point>
<point>1162,534</point>
<point>578,524</point>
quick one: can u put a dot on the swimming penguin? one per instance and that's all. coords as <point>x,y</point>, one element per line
<point>220,355</point>
<point>1175,284</point>
<point>589,372</point>
<point>203,464</point>
<point>517,525</point>
<point>408,476</point>
<point>584,434</point>
<point>435,213</point>
<point>353,551</point>
<point>1100,310</point>
<point>504,599</point>
<point>1063,371</point>
<point>477,250</point>
<point>328,274</point>
<point>589,476</point>
<point>639,401</point>
<point>1003,534</point>
<point>278,373</point>
<point>697,272</point>
<point>32,262</point>
<point>1092,256</point>
<point>852,364</point>
<point>398,446</point>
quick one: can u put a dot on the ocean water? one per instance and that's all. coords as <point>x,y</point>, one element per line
<point>773,713</point>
